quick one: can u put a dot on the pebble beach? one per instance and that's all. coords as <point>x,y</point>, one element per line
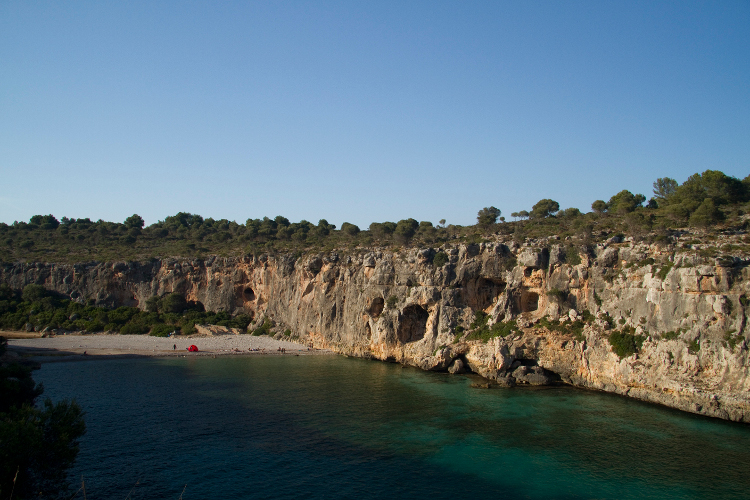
<point>79,346</point>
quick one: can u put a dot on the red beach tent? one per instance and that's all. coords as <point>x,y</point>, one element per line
<point>193,348</point>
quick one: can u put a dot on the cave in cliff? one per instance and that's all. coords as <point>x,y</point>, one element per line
<point>529,301</point>
<point>480,293</point>
<point>376,307</point>
<point>412,324</point>
<point>248,294</point>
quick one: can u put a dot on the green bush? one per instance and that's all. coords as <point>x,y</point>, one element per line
<point>694,347</point>
<point>161,330</point>
<point>440,259</point>
<point>172,303</point>
<point>134,329</point>
<point>480,319</point>
<point>645,262</point>
<point>662,274</point>
<point>33,293</point>
<point>457,333</point>
<point>670,335</point>
<point>391,302</point>
<point>625,344</point>
<point>499,329</point>
<point>264,329</point>
<point>575,328</point>
<point>572,256</point>
<point>732,340</point>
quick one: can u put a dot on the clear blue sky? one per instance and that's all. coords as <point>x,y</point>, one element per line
<point>362,111</point>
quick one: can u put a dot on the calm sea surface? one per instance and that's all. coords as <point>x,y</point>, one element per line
<point>334,427</point>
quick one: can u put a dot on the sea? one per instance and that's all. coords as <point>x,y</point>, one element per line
<point>320,427</point>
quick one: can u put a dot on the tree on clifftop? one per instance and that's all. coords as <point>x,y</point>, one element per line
<point>625,202</point>
<point>405,229</point>
<point>544,208</point>
<point>487,216</point>
<point>599,206</point>
<point>134,220</point>
<point>350,229</point>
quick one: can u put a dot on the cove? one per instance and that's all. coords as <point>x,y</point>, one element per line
<point>335,427</point>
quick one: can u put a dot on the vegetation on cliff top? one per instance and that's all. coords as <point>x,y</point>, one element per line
<point>710,200</point>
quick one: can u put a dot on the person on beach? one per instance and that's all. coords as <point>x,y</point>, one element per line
<point>174,347</point>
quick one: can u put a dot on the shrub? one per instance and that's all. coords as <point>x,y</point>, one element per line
<point>134,329</point>
<point>575,329</point>
<point>706,214</point>
<point>440,259</point>
<point>731,340</point>
<point>240,321</point>
<point>625,344</point>
<point>480,319</point>
<point>152,304</point>
<point>161,330</point>
<point>172,303</point>
<point>33,293</point>
<point>391,301</point>
<point>499,329</point>
<point>694,347</point>
<point>509,262</point>
<point>662,274</point>
<point>587,316</point>
<point>264,329</point>
<point>645,262</point>
<point>572,256</point>
<point>670,335</point>
<point>458,333</point>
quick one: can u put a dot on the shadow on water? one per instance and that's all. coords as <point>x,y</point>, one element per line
<point>331,427</point>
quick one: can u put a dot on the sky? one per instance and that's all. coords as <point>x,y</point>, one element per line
<point>362,111</point>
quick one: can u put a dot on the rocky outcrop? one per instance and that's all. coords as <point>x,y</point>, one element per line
<point>691,310</point>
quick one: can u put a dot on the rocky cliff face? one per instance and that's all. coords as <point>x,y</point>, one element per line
<point>401,307</point>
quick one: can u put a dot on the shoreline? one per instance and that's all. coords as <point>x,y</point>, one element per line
<point>78,347</point>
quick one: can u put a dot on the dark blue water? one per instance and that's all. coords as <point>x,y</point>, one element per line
<point>332,427</point>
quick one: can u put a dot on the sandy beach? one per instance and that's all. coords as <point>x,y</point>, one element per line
<point>73,346</point>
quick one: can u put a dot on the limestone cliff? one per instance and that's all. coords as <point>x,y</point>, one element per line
<point>407,307</point>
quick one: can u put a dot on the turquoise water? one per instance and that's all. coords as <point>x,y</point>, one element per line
<point>333,427</point>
